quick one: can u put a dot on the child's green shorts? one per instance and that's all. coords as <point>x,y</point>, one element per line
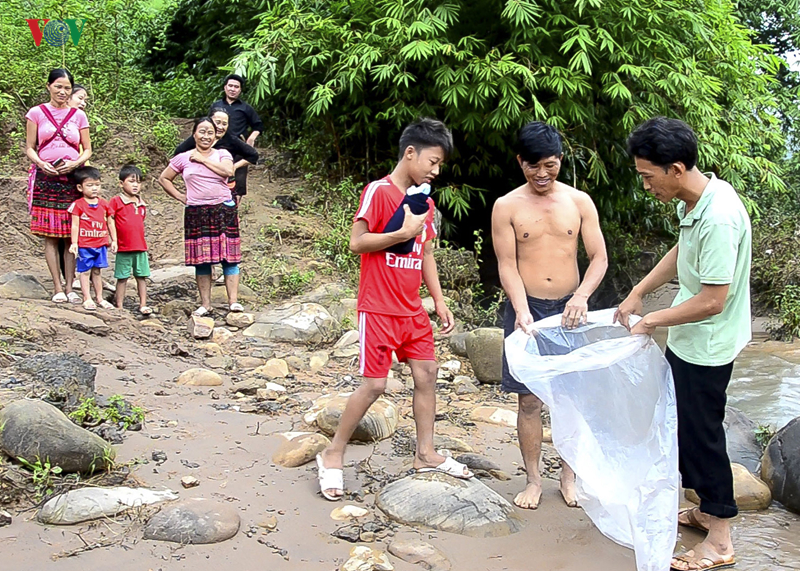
<point>131,262</point>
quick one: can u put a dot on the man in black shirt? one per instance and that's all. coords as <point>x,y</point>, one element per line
<point>242,117</point>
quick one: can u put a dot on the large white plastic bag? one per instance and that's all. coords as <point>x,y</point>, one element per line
<point>612,407</point>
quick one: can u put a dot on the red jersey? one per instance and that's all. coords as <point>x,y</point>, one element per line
<point>389,283</point>
<point>129,215</point>
<point>93,229</point>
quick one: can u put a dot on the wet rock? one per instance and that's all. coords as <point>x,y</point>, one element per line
<point>442,502</point>
<point>464,385</point>
<point>365,559</point>
<point>750,492</point>
<point>740,434</point>
<point>273,369</point>
<point>380,421</point>
<point>201,327</point>
<point>351,533</point>
<point>109,433</point>
<point>348,512</point>
<point>494,415</point>
<point>5,518</point>
<point>86,504</point>
<point>249,362</point>
<point>159,457</point>
<point>318,361</point>
<point>59,377</point>
<point>189,482</point>
<point>780,466</point>
<point>194,521</point>
<point>295,323</point>
<point>299,448</point>
<point>458,344</point>
<point>221,336</point>
<point>240,320</point>
<point>478,463</point>
<point>485,352</point>
<point>177,308</point>
<point>420,553</point>
<point>39,432</point>
<point>199,378</point>
<point>447,442</point>
<point>15,285</point>
<point>347,339</point>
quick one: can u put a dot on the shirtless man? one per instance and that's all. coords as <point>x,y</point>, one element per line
<point>535,231</point>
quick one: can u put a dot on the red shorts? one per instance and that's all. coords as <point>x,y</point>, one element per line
<point>379,335</point>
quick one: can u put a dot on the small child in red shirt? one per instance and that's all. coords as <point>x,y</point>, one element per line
<point>91,228</point>
<point>128,212</point>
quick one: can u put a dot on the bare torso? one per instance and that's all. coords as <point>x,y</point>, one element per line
<point>546,230</point>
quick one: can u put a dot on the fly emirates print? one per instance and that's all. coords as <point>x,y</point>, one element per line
<point>407,262</point>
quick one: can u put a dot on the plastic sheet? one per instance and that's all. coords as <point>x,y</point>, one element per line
<point>612,407</point>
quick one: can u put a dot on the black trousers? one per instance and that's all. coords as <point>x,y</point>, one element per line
<point>702,452</point>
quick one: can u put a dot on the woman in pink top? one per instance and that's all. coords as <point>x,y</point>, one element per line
<point>210,220</point>
<point>57,143</point>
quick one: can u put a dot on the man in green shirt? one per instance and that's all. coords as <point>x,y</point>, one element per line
<point>709,321</point>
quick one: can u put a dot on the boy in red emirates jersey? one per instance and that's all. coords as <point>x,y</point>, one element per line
<point>91,228</point>
<point>390,313</point>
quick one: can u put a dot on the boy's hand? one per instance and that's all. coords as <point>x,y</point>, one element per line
<point>445,316</point>
<point>73,249</point>
<point>413,224</point>
<point>113,246</point>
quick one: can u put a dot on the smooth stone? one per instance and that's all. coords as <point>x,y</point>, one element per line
<point>420,553</point>
<point>199,378</point>
<point>194,521</point>
<point>348,512</point>
<point>38,432</point>
<point>240,319</point>
<point>780,466</point>
<point>15,285</point>
<point>439,501</point>
<point>458,344</point>
<point>296,363</point>
<point>221,336</point>
<point>201,327</point>
<point>249,362</point>
<point>318,361</point>
<point>494,415</point>
<point>301,323</point>
<point>750,492</point>
<point>86,504</point>
<point>190,482</point>
<point>740,436</point>
<point>273,369</point>
<point>212,350</point>
<point>300,449</point>
<point>485,352</point>
<point>378,423</point>
<point>347,339</point>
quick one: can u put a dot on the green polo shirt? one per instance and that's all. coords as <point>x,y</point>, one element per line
<point>714,248</point>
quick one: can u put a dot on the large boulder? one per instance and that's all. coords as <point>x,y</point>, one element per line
<point>62,378</point>
<point>780,466</point>
<point>740,434</point>
<point>14,285</point>
<point>439,501</point>
<point>38,432</point>
<point>194,521</point>
<point>380,421</point>
<point>299,323</point>
<point>86,504</point>
<point>485,352</point>
<point>750,492</point>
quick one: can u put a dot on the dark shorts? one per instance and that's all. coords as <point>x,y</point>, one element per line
<point>702,452</point>
<point>539,308</point>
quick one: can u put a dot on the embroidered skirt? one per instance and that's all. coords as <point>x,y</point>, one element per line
<point>50,198</point>
<point>211,234</point>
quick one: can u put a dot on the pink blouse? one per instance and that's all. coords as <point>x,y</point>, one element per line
<point>203,186</point>
<point>57,148</point>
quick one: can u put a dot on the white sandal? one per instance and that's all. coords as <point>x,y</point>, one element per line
<point>450,466</point>
<point>236,307</point>
<point>73,297</point>
<point>60,297</point>
<point>201,312</point>
<point>329,479</point>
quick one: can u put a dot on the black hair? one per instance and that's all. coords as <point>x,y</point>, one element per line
<point>218,109</point>
<point>58,74</point>
<point>130,170</point>
<point>76,87</point>
<point>424,134</point>
<point>235,77</point>
<point>202,120</point>
<point>663,142</point>
<point>82,174</point>
<point>537,141</point>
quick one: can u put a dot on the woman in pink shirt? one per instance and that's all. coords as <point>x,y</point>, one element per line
<point>210,220</point>
<point>57,143</point>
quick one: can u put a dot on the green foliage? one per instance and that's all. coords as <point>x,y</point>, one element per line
<point>789,311</point>
<point>764,434</point>
<point>44,475</point>
<point>118,412</point>
<point>356,71</point>
<point>337,205</point>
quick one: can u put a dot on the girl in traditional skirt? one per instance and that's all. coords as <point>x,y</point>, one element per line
<point>211,220</point>
<point>57,143</point>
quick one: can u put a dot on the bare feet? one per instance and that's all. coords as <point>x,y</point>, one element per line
<point>568,489</point>
<point>528,499</point>
<point>332,460</point>
<point>703,556</point>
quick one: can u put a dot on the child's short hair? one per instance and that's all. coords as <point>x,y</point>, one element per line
<point>82,174</point>
<point>426,133</point>
<point>130,170</point>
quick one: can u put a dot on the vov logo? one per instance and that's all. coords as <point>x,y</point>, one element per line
<point>56,32</point>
